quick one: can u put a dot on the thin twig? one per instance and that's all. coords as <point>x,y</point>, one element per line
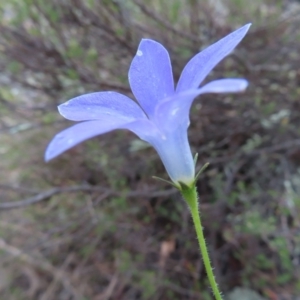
<point>266,150</point>
<point>49,293</point>
<point>45,195</point>
<point>162,21</point>
<point>42,265</point>
<point>18,189</point>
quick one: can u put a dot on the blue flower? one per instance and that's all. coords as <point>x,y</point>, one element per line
<point>161,116</point>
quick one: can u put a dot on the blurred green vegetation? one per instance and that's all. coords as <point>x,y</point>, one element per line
<point>98,227</point>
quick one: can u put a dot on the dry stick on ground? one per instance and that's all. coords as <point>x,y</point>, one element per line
<point>266,150</point>
<point>42,265</point>
<point>18,189</point>
<point>162,21</point>
<point>108,292</point>
<point>49,293</point>
<point>54,191</point>
<point>183,291</point>
<point>45,195</point>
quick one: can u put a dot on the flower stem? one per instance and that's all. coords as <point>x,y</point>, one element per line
<point>191,197</point>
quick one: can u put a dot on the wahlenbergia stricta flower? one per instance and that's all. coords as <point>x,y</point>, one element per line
<point>161,116</point>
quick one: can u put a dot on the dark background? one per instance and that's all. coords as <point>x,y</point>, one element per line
<point>98,226</point>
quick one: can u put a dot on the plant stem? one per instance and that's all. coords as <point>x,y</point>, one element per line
<point>191,197</point>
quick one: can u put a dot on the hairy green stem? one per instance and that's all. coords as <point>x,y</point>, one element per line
<point>191,197</point>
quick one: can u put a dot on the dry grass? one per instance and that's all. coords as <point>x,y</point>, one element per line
<point>93,224</point>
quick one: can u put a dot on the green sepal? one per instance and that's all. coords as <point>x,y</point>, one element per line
<point>201,171</point>
<point>195,159</point>
<point>166,181</point>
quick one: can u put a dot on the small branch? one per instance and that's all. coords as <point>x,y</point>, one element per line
<point>42,265</point>
<point>163,22</point>
<point>266,150</point>
<point>49,293</point>
<point>45,195</point>
<point>18,189</point>
<point>183,291</point>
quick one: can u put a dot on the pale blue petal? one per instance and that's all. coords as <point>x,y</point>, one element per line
<point>173,149</point>
<point>172,119</point>
<point>228,85</point>
<point>173,113</point>
<point>150,75</point>
<point>201,64</point>
<point>80,132</point>
<point>175,153</point>
<point>95,106</point>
